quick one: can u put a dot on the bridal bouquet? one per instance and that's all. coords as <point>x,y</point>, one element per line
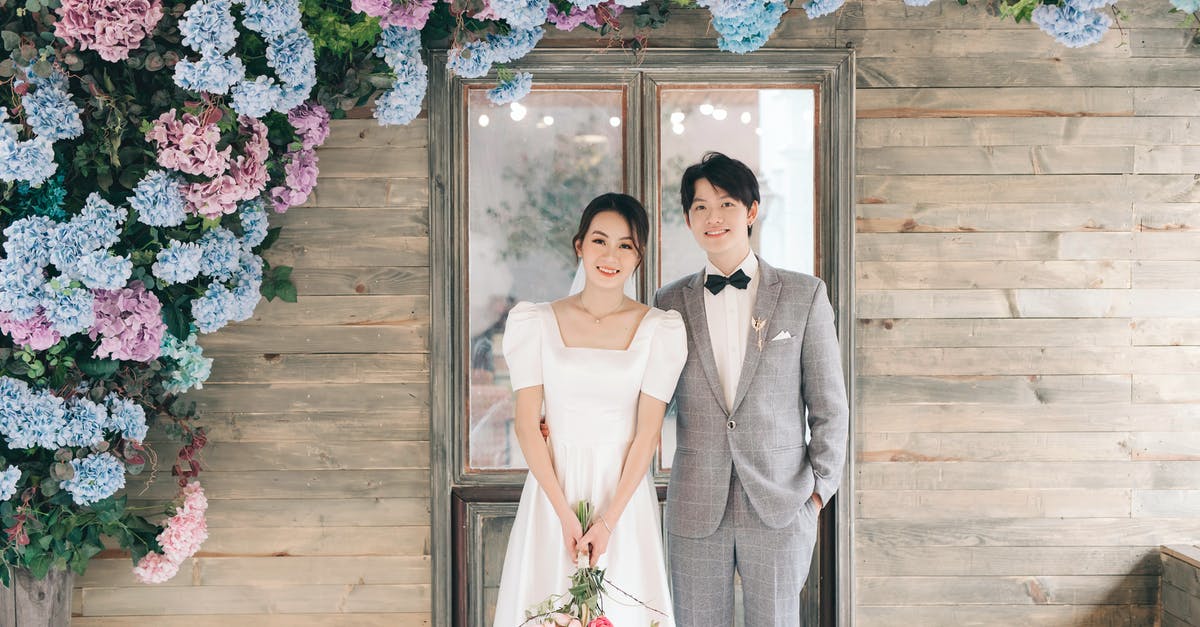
<point>583,603</point>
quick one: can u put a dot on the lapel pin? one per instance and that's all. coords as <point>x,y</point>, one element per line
<point>759,324</point>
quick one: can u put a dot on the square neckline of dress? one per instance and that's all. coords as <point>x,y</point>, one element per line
<point>563,343</point>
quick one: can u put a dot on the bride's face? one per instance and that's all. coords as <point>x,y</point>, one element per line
<point>608,252</point>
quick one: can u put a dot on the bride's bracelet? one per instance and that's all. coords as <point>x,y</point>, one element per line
<point>605,524</point>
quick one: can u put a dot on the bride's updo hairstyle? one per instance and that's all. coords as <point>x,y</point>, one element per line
<point>629,208</point>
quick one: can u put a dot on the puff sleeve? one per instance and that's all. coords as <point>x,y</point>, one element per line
<point>668,352</point>
<point>523,346</point>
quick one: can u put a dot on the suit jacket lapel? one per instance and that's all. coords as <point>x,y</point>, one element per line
<point>764,306</point>
<point>693,301</point>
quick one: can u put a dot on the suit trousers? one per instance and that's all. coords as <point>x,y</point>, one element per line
<point>773,565</point>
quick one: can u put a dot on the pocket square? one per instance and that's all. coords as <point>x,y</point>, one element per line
<point>783,335</point>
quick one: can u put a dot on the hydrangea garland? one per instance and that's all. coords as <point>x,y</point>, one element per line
<point>209,29</point>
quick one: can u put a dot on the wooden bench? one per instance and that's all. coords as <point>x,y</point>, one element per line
<point>1181,586</point>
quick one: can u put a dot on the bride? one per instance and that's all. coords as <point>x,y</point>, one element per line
<point>605,366</point>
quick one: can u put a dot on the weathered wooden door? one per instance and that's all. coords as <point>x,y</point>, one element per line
<point>509,184</point>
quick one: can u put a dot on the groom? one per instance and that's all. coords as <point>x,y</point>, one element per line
<point>746,488</point>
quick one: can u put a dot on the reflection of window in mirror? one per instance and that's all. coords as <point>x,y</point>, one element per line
<point>693,121</point>
<point>532,167</point>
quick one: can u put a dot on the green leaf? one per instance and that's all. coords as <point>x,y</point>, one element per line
<point>11,40</point>
<point>271,236</point>
<point>100,368</point>
<point>177,323</point>
<point>286,290</point>
<point>282,273</point>
<point>267,289</point>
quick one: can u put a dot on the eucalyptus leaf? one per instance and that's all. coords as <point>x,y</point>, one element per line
<point>11,40</point>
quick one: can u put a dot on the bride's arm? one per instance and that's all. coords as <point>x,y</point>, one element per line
<point>537,456</point>
<point>633,473</point>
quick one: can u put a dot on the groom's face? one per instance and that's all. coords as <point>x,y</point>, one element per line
<point>719,222</point>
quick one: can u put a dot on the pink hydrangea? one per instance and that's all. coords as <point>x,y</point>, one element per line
<point>181,537</point>
<point>300,177</point>
<point>36,333</point>
<point>128,323</point>
<point>408,14</point>
<point>374,8</point>
<point>155,568</point>
<point>311,122</point>
<point>246,179</point>
<point>110,27</point>
<point>188,145</point>
<point>567,21</point>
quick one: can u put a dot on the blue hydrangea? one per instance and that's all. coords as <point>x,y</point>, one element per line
<point>187,367</point>
<point>728,8</point>
<point>14,398</point>
<point>1088,5</point>
<point>208,27</point>
<point>400,48</point>
<point>294,95</point>
<point>254,224</point>
<point>97,477</point>
<point>472,60</point>
<point>818,8</point>
<point>514,45</point>
<point>69,309</point>
<point>30,240</point>
<point>291,55</point>
<point>102,270</point>
<point>511,90</point>
<point>271,17</point>
<point>22,288</point>
<point>214,74</point>
<point>179,262</point>
<point>127,417</point>
<point>220,248</point>
<point>97,227</point>
<point>103,219</point>
<point>1070,27</point>
<point>1187,6</point>
<point>8,482</point>
<point>247,289</point>
<point>397,45</point>
<point>31,160</point>
<point>750,31</point>
<point>256,98</point>
<point>51,113</point>
<point>30,418</point>
<point>158,200</point>
<point>85,423</point>
<point>214,309</point>
<point>521,14</point>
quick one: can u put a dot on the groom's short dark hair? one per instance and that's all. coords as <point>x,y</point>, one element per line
<point>726,173</point>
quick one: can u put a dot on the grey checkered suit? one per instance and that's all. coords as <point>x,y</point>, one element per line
<point>742,475</point>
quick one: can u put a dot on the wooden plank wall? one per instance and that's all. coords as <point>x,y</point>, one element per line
<point>1028,283</point>
<point>318,414</point>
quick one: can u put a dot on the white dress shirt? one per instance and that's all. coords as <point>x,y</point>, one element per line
<point>729,324</point>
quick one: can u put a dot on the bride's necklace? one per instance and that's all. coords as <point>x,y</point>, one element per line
<point>596,318</point>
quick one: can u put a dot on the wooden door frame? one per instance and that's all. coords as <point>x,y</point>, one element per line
<point>832,69</point>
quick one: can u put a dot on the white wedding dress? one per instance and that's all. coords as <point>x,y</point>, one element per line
<point>591,398</point>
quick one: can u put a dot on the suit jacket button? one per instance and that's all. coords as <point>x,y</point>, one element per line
<point>732,425</point>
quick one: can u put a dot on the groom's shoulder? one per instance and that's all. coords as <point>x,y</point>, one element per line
<point>672,290</point>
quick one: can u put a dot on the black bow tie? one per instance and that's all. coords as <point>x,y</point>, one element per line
<point>715,282</point>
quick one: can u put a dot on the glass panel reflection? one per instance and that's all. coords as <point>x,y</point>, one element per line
<point>532,167</point>
<point>770,130</point>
